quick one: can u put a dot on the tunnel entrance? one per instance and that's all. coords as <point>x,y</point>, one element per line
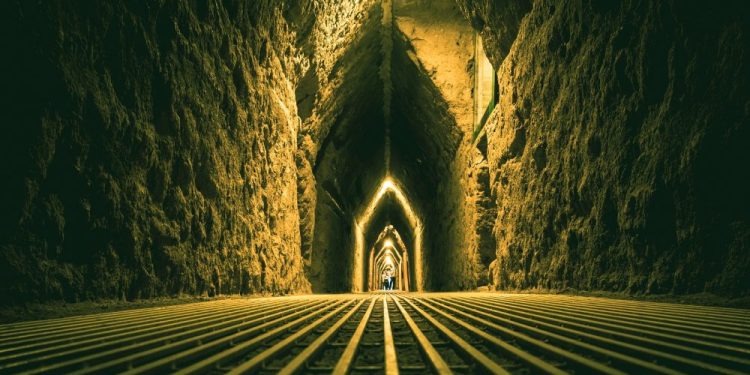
<point>389,205</point>
<point>388,143</point>
<point>389,256</point>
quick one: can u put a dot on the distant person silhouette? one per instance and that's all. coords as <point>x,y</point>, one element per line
<point>388,278</point>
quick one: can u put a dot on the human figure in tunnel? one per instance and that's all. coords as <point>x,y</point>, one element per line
<point>388,278</point>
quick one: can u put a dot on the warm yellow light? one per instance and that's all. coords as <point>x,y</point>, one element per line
<point>388,259</point>
<point>388,243</point>
<point>385,250</point>
<point>388,186</point>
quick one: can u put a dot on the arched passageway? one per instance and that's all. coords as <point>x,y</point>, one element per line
<point>245,147</point>
<point>389,246</point>
<point>390,143</point>
<point>388,194</point>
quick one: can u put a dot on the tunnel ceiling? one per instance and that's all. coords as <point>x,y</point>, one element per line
<point>204,147</point>
<point>474,202</point>
<point>351,163</point>
<point>389,212</point>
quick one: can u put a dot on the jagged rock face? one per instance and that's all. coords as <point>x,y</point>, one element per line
<point>432,130</point>
<point>618,152</point>
<point>346,127</point>
<point>204,148</point>
<point>155,147</point>
<point>497,23</point>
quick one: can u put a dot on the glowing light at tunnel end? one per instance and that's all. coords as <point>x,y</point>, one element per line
<point>388,185</point>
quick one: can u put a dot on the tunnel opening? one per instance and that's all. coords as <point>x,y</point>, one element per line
<point>413,125</point>
<point>379,213</point>
<point>396,232</point>
<point>389,257</point>
<point>232,148</point>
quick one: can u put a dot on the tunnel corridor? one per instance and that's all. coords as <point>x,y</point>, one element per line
<point>375,186</point>
<point>379,164</point>
<point>242,148</point>
<point>389,257</point>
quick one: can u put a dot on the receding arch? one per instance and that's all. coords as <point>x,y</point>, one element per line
<point>385,258</point>
<point>362,221</point>
<point>389,240</point>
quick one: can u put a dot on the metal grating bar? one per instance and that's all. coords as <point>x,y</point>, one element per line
<point>388,333</point>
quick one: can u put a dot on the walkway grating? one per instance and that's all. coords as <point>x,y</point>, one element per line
<point>393,333</point>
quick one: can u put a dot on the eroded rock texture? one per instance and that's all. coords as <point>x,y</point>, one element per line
<point>203,148</point>
<point>152,148</point>
<point>433,119</point>
<point>618,153</point>
<point>346,132</point>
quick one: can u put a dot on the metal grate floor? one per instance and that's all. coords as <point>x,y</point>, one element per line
<point>389,333</point>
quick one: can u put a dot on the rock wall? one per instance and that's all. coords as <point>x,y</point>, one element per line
<point>618,152</point>
<point>432,79</point>
<point>427,71</point>
<point>151,148</point>
<point>200,148</point>
<point>344,131</point>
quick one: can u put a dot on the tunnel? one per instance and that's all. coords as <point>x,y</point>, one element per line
<point>394,126</point>
<point>448,172</point>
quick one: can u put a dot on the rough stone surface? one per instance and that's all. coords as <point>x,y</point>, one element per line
<point>618,152</point>
<point>204,148</point>
<point>346,132</point>
<point>153,148</point>
<point>497,22</point>
<point>433,77</point>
